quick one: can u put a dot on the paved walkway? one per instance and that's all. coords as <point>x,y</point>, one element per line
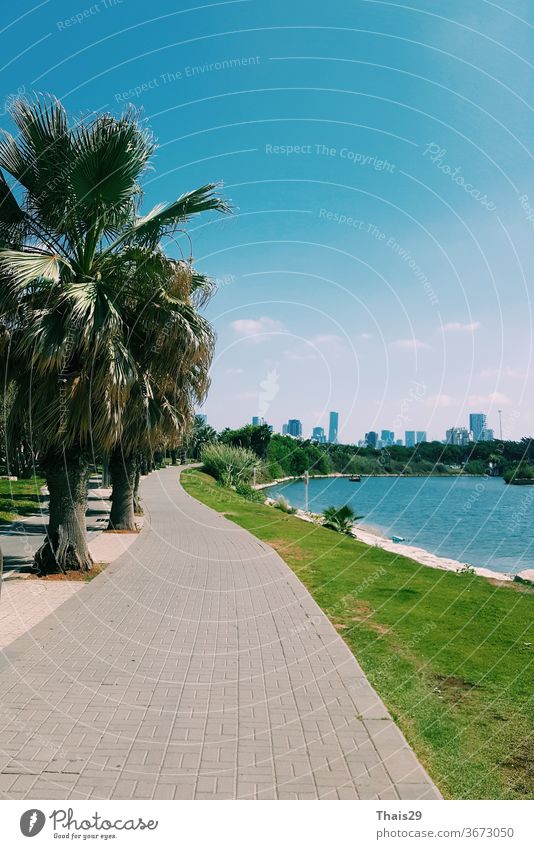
<point>195,666</point>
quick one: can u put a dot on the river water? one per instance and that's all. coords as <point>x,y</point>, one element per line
<point>475,520</point>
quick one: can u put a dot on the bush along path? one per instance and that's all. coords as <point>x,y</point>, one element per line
<point>196,666</point>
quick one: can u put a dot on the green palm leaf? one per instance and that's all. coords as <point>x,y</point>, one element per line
<point>163,219</point>
<point>23,267</point>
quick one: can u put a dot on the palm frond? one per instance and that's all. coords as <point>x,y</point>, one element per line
<point>12,217</point>
<point>164,219</point>
<point>23,267</point>
<point>111,154</point>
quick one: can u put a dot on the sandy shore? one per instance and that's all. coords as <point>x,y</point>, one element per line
<point>420,555</point>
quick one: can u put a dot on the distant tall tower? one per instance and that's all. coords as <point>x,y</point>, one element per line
<point>333,427</point>
<point>409,438</point>
<point>294,427</point>
<point>477,425</point>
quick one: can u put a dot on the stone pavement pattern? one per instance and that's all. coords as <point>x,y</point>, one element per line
<point>196,666</point>
<point>25,603</point>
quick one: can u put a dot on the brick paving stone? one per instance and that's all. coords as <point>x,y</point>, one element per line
<point>196,666</point>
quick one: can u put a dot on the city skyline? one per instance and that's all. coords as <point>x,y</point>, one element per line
<point>477,431</point>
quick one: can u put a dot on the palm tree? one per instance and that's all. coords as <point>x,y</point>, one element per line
<point>73,251</point>
<point>340,519</point>
<point>172,345</point>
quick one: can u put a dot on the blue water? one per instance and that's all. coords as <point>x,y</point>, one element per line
<point>475,520</point>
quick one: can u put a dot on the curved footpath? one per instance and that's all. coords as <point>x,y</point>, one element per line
<point>196,666</point>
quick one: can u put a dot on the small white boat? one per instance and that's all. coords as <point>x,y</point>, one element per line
<point>395,538</point>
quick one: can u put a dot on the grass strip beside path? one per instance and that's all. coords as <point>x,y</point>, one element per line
<point>19,498</point>
<point>451,655</point>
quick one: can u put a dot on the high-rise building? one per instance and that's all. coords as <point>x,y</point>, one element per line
<point>318,435</point>
<point>284,430</point>
<point>487,435</point>
<point>333,426</point>
<point>294,427</point>
<point>477,424</point>
<point>457,436</point>
<point>398,442</point>
<point>409,438</point>
<point>371,439</point>
<point>256,420</point>
<point>387,437</point>
<point>420,436</point>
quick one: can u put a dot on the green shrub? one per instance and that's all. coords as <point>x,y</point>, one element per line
<point>246,491</point>
<point>523,471</point>
<point>283,504</point>
<point>228,464</point>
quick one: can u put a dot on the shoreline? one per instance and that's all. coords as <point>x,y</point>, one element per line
<point>375,539</point>
<point>293,479</point>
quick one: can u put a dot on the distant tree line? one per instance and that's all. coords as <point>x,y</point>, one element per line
<point>283,456</point>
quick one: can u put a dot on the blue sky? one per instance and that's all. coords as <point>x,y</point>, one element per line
<point>377,154</point>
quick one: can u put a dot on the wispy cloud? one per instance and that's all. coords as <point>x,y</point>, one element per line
<point>506,371</point>
<point>460,327</point>
<point>256,328</point>
<point>326,339</point>
<point>412,344</point>
<point>441,400</point>
<point>326,344</point>
<point>492,399</point>
<point>234,371</point>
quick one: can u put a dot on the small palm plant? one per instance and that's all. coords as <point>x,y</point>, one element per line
<point>340,519</point>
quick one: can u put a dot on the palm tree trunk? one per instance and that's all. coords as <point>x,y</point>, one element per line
<point>65,546</point>
<point>174,456</point>
<point>122,470</point>
<point>106,477</point>
<point>138,509</point>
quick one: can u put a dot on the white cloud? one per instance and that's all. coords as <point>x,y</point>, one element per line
<point>410,344</point>
<point>441,400</point>
<point>326,339</point>
<point>234,371</point>
<point>364,337</point>
<point>256,328</point>
<point>460,327</point>
<point>322,344</point>
<point>493,399</point>
<point>506,371</point>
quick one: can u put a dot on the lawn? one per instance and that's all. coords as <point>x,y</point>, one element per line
<point>19,498</point>
<point>451,655</point>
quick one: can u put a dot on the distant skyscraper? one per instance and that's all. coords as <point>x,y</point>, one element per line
<point>284,430</point>
<point>487,435</point>
<point>409,438</point>
<point>387,437</point>
<point>318,435</point>
<point>333,427</point>
<point>256,420</point>
<point>371,439</point>
<point>398,442</point>
<point>457,436</point>
<point>294,427</point>
<point>420,436</point>
<point>477,424</point>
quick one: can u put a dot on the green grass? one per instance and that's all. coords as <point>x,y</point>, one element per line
<point>451,655</point>
<point>19,498</point>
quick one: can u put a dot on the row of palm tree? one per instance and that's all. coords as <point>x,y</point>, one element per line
<point>102,343</point>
